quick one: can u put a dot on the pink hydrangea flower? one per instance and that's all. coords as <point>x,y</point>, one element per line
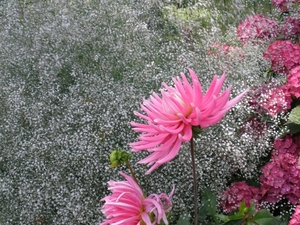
<point>128,205</point>
<point>290,28</point>
<point>284,5</point>
<point>257,27</point>
<point>281,176</point>
<point>293,82</point>
<point>295,220</point>
<point>284,55</point>
<point>170,118</point>
<point>236,193</point>
<point>270,98</point>
<point>277,101</point>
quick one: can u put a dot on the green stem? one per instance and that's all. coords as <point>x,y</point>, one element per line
<point>195,182</point>
<point>132,173</point>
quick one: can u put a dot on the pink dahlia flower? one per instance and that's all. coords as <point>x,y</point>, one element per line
<point>284,55</point>
<point>236,193</point>
<point>257,27</point>
<point>170,118</point>
<point>295,217</point>
<point>128,205</point>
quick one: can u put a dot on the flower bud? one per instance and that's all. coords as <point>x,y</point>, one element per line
<point>118,157</point>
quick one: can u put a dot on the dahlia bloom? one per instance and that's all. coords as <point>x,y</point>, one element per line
<point>257,27</point>
<point>236,193</point>
<point>128,205</point>
<point>170,118</point>
<point>295,220</point>
<point>284,55</point>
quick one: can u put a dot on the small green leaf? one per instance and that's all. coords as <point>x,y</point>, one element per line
<point>210,200</point>
<point>202,215</point>
<point>222,217</point>
<point>235,222</point>
<point>293,128</point>
<point>243,208</point>
<point>263,217</point>
<point>295,115</point>
<point>250,223</point>
<point>183,219</point>
<point>251,209</point>
<point>237,216</point>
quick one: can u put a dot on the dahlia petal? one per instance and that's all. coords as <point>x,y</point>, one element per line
<point>210,91</point>
<point>177,128</point>
<point>187,87</point>
<point>235,100</point>
<point>146,218</point>
<point>187,134</point>
<point>221,101</point>
<point>219,84</point>
<point>212,120</point>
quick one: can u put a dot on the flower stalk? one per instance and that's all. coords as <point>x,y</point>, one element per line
<point>194,182</point>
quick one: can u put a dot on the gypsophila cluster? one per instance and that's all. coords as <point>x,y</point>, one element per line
<point>73,72</point>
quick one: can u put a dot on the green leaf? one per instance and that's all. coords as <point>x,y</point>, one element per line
<point>243,208</point>
<point>250,223</point>
<point>202,215</point>
<point>263,217</point>
<point>222,217</point>
<point>237,216</point>
<point>293,128</point>
<point>183,219</point>
<point>295,115</point>
<point>210,200</point>
<point>235,222</point>
<point>251,210</point>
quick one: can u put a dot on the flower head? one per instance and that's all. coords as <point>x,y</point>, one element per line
<point>170,118</point>
<point>290,28</point>
<point>281,176</point>
<point>284,5</point>
<point>257,27</point>
<point>236,193</point>
<point>295,217</point>
<point>284,55</point>
<point>292,86</point>
<point>128,205</point>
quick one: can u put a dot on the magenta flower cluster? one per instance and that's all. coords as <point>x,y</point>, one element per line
<point>290,28</point>
<point>295,217</point>
<point>236,193</point>
<point>284,5</point>
<point>280,178</point>
<point>284,55</point>
<point>257,27</point>
<point>292,87</point>
<point>270,98</point>
<point>278,99</point>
